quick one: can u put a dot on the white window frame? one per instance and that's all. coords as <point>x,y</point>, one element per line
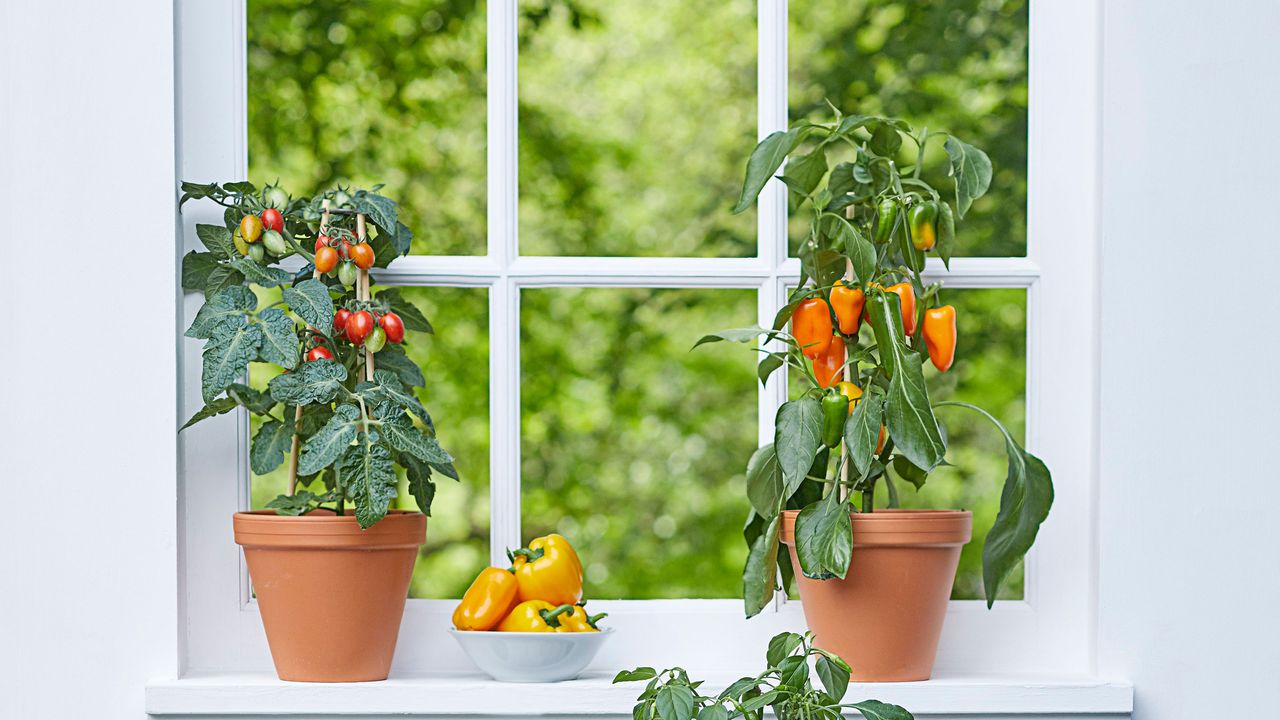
<point>1052,630</point>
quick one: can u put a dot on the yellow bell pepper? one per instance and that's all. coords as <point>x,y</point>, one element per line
<point>534,616</point>
<point>548,569</point>
<point>490,598</point>
<point>578,620</point>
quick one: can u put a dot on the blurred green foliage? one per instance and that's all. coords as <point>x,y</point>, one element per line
<point>635,123</point>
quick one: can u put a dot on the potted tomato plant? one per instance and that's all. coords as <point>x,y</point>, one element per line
<point>342,414</point>
<point>863,323</point>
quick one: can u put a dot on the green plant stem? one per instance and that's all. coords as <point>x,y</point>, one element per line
<point>869,497</point>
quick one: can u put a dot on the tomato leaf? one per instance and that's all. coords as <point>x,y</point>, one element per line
<point>797,438</point>
<point>267,277</point>
<point>228,309</point>
<point>217,239</point>
<point>330,441</point>
<point>824,538</point>
<point>370,478</point>
<point>421,485</point>
<point>226,358</point>
<point>392,358</point>
<point>314,382</point>
<point>196,268</point>
<point>971,169</point>
<point>404,436</point>
<point>413,318</point>
<point>386,387</point>
<point>279,338</point>
<point>310,301</point>
<point>213,409</point>
<point>272,441</point>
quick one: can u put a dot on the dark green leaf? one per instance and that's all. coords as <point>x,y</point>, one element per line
<point>713,712</point>
<point>381,210</point>
<point>793,672</point>
<point>279,339</point>
<point>909,472</point>
<point>196,268</point>
<point>392,358</point>
<point>640,673</point>
<point>913,258</point>
<point>386,387</point>
<point>244,187</point>
<point>885,140</point>
<point>849,123</point>
<point>797,439</point>
<point>272,442</point>
<point>227,309</point>
<point>314,382</point>
<point>222,277</point>
<point>909,416</point>
<point>262,275</point>
<point>824,538</point>
<point>330,442</point>
<point>804,173</point>
<point>862,431</point>
<point>255,401</point>
<point>300,502</point>
<point>782,645</point>
<point>674,702</point>
<point>764,481</point>
<point>841,180</point>
<point>765,160</point>
<point>213,409</point>
<point>758,573</point>
<point>413,318</point>
<point>768,365</point>
<point>310,301</point>
<point>834,678</point>
<point>421,486</point>
<point>742,335</point>
<point>404,436</point>
<point>759,701</point>
<point>861,253</point>
<point>370,478</point>
<point>226,358</point>
<point>946,233</point>
<point>876,710</point>
<point>217,239</point>
<point>971,169</point>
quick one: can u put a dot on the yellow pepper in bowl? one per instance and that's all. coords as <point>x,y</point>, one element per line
<point>534,616</point>
<point>549,569</point>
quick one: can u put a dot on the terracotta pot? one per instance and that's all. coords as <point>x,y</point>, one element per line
<point>331,594</point>
<point>885,617</point>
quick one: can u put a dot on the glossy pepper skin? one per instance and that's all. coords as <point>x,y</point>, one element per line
<point>924,229</point>
<point>907,295</point>
<point>847,303</point>
<point>886,213</point>
<point>853,393</point>
<point>835,408</point>
<point>549,569</point>
<point>940,336</point>
<point>827,367</point>
<point>490,598</point>
<point>534,616</point>
<point>577,620</point>
<point>811,327</point>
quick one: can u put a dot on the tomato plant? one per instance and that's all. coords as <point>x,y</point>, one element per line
<point>394,327</point>
<point>357,415</point>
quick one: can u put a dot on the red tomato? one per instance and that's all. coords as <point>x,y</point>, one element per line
<point>273,220</point>
<point>346,249</point>
<point>318,353</point>
<point>322,241</point>
<point>394,327</point>
<point>359,325</point>
<point>362,255</point>
<point>326,259</point>
<point>340,320</point>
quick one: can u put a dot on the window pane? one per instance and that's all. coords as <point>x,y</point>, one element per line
<point>990,371</point>
<point>389,91</point>
<point>958,65</point>
<point>455,363</point>
<point>633,446</point>
<point>636,119</point>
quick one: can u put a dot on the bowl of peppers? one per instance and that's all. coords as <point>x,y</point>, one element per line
<point>528,622</point>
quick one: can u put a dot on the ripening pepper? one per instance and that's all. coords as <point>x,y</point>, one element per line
<point>577,620</point>
<point>847,303</point>
<point>853,393</point>
<point>940,336</point>
<point>549,570</point>
<point>924,231</point>
<point>534,616</point>
<point>907,295</point>
<point>811,327</point>
<point>828,366</point>
<point>834,411</point>
<point>489,599</point>
<point>886,213</point>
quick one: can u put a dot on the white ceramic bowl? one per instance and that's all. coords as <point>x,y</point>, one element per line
<point>532,657</point>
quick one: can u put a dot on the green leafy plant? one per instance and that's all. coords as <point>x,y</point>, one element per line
<point>872,224</point>
<point>786,686</point>
<point>343,412</point>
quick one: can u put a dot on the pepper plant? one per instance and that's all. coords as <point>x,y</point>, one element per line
<point>785,686</point>
<point>343,412</point>
<point>866,414</point>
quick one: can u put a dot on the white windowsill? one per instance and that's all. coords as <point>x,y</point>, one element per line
<point>249,695</point>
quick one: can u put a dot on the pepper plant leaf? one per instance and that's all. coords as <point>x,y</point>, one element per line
<point>909,415</point>
<point>971,169</point>
<point>758,573</point>
<point>804,173</point>
<point>834,676</point>
<point>876,710</point>
<point>675,702</point>
<point>797,439</point>
<point>315,382</point>
<point>226,358</point>
<point>909,472</point>
<point>764,481</point>
<point>217,239</point>
<point>272,441</point>
<point>267,277</point>
<point>279,339</point>
<point>370,477</point>
<point>768,364</point>
<point>229,307</point>
<point>1025,501</point>
<point>742,335</point>
<point>862,431</point>
<point>310,300</point>
<point>765,160</point>
<point>824,538</point>
<point>330,441</point>
<point>782,645</point>
<point>946,233</point>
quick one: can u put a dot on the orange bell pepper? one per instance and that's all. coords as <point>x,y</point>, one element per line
<point>549,569</point>
<point>811,327</point>
<point>490,598</point>
<point>847,302</point>
<point>827,367</point>
<point>940,336</point>
<point>907,297</point>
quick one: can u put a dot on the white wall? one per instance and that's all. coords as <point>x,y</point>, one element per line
<point>87,359</point>
<point>1190,570</point>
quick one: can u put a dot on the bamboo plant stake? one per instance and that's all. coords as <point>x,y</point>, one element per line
<point>362,293</point>
<point>297,411</point>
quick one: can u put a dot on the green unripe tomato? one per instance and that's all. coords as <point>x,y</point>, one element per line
<point>275,243</point>
<point>347,273</point>
<point>376,340</point>
<point>257,253</point>
<point>277,198</point>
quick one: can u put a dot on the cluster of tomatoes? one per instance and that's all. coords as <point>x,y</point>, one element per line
<point>362,328</point>
<point>343,255</point>
<point>267,228</point>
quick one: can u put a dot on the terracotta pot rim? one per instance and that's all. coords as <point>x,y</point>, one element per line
<point>264,528</point>
<point>899,527</point>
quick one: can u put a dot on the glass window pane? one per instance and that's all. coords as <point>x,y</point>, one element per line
<point>633,446</point>
<point>389,91</point>
<point>636,119</point>
<point>455,363</point>
<point>957,65</point>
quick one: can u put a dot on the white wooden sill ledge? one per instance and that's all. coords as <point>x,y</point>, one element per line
<point>469,695</point>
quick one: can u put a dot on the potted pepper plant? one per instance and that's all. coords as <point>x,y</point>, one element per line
<point>342,414</point>
<point>874,582</point>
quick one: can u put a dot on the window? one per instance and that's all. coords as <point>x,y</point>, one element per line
<point>601,193</point>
